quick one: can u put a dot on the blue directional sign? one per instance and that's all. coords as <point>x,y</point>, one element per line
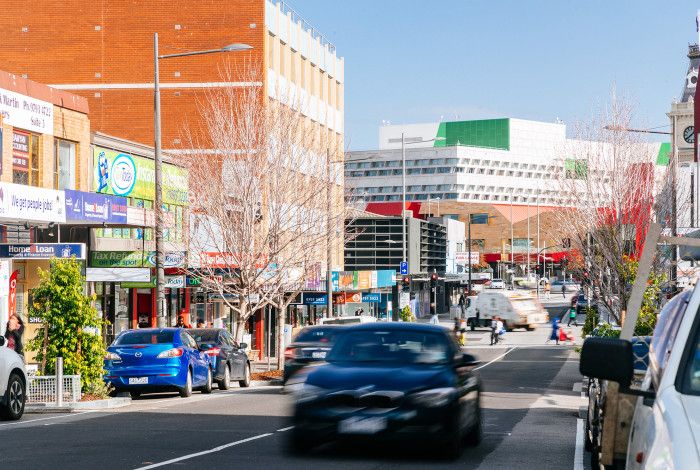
<point>42,250</point>
<point>404,268</point>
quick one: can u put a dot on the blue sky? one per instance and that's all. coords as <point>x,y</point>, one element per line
<point>419,60</point>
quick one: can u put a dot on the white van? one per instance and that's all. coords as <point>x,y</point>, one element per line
<point>665,429</point>
<point>348,320</point>
<point>515,310</point>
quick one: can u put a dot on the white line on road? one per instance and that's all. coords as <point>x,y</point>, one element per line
<point>204,452</point>
<point>578,387</point>
<point>19,423</point>
<point>285,429</point>
<point>494,360</point>
<point>578,453</point>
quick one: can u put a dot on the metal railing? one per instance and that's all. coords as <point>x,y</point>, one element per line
<point>54,389</point>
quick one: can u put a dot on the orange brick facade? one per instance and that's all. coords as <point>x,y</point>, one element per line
<point>109,43</point>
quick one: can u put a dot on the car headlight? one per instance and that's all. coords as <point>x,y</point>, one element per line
<point>433,398</point>
<point>305,393</point>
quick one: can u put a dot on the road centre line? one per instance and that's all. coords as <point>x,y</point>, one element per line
<point>204,452</point>
<point>494,360</point>
<point>285,429</point>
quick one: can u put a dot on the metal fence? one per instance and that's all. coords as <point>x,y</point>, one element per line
<point>42,389</point>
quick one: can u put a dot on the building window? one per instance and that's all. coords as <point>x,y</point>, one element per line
<point>25,158</point>
<point>479,219</point>
<point>64,164</point>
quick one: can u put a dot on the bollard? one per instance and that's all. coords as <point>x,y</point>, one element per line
<point>59,381</point>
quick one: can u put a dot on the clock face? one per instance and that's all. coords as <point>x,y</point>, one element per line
<point>689,134</point>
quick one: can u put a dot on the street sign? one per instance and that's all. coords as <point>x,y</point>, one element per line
<point>404,299</point>
<point>404,268</point>
<point>463,258</point>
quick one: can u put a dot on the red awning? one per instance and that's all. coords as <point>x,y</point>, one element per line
<point>552,257</point>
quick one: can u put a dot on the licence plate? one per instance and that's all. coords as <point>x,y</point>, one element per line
<point>138,380</point>
<point>362,425</point>
<point>318,354</point>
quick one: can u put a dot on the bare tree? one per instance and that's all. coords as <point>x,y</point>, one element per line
<point>259,199</point>
<point>609,184</point>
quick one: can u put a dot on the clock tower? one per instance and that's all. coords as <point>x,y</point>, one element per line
<point>681,114</point>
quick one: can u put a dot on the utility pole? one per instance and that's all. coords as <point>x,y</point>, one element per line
<point>329,237</point>
<point>403,199</point>
<point>469,255</point>
<point>160,272</point>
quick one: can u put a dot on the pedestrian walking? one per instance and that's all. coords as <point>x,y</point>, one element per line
<point>181,323</point>
<point>547,290</point>
<point>497,330</point>
<point>434,320</point>
<point>572,316</point>
<point>563,290</point>
<point>555,331</point>
<point>200,323</point>
<point>462,302</point>
<point>13,334</point>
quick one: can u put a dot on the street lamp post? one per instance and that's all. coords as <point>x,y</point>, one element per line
<point>160,272</point>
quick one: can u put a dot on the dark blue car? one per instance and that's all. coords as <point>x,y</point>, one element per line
<point>156,360</point>
<point>390,381</point>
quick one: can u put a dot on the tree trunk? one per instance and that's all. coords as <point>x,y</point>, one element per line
<point>242,318</point>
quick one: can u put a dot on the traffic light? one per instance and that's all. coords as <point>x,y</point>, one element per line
<point>433,279</point>
<point>406,283</point>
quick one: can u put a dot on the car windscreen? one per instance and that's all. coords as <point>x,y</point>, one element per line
<point>397,346</point>
<point>204,336</point>
<point>690,384</point>
<point>144,337</point>
<point>316,335</point>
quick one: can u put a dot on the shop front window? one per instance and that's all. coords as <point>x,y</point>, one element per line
<point>25,158</point>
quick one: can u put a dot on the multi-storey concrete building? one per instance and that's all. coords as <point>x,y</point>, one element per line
<point>502,174</point>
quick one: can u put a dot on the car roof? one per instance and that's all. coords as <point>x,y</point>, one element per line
<point>154,330</point>
<point>396,326</point>
<point>202,330</point>
<point>325,326</point>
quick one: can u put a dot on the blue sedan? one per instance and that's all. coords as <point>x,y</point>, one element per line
<point>155,360</point>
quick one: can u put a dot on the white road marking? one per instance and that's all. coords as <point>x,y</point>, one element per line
<point>578,387</point>
<point>494,360</point>
<point>578,453</point>
<point>285,429</point>
<point>19,423</point>
<point>204,452</point>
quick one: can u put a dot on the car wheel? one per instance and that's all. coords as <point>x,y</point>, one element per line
<point>15,396</point>
<point>186,391</point>
<point>452,445</point>
<point>210,382</point>
<point>246,377</point>
<point>135,395</point>
<point>299,443</point>
<point>473,437</point>
<point>225,383</point>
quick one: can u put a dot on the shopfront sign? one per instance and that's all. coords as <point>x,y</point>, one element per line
<point>135,259</point>
<point>26,203</point>
<point>315,299</point>
<point>463,258</point>
<point>372,298</point>
<point>26,113</point>
<point>122,174</point>
<point>42,250</point>
<point>353,297</point>
<point>216,259</point>
<point>20,150</point>
<point>361,280</point>
<point>82,207</point>
<point>117,274</point>
<point>171,282</point>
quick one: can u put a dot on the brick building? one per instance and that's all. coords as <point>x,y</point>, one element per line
<point>103,51</point>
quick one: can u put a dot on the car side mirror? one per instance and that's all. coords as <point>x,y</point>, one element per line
<point>469,360</point>
<point>243,346</point>
<point>610,359</point>
<point>2,341</point>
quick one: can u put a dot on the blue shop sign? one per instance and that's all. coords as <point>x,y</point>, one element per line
<point>315,299</point>
<point>42,250</point>
<point>371,298</point>
<point>94,207</point>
